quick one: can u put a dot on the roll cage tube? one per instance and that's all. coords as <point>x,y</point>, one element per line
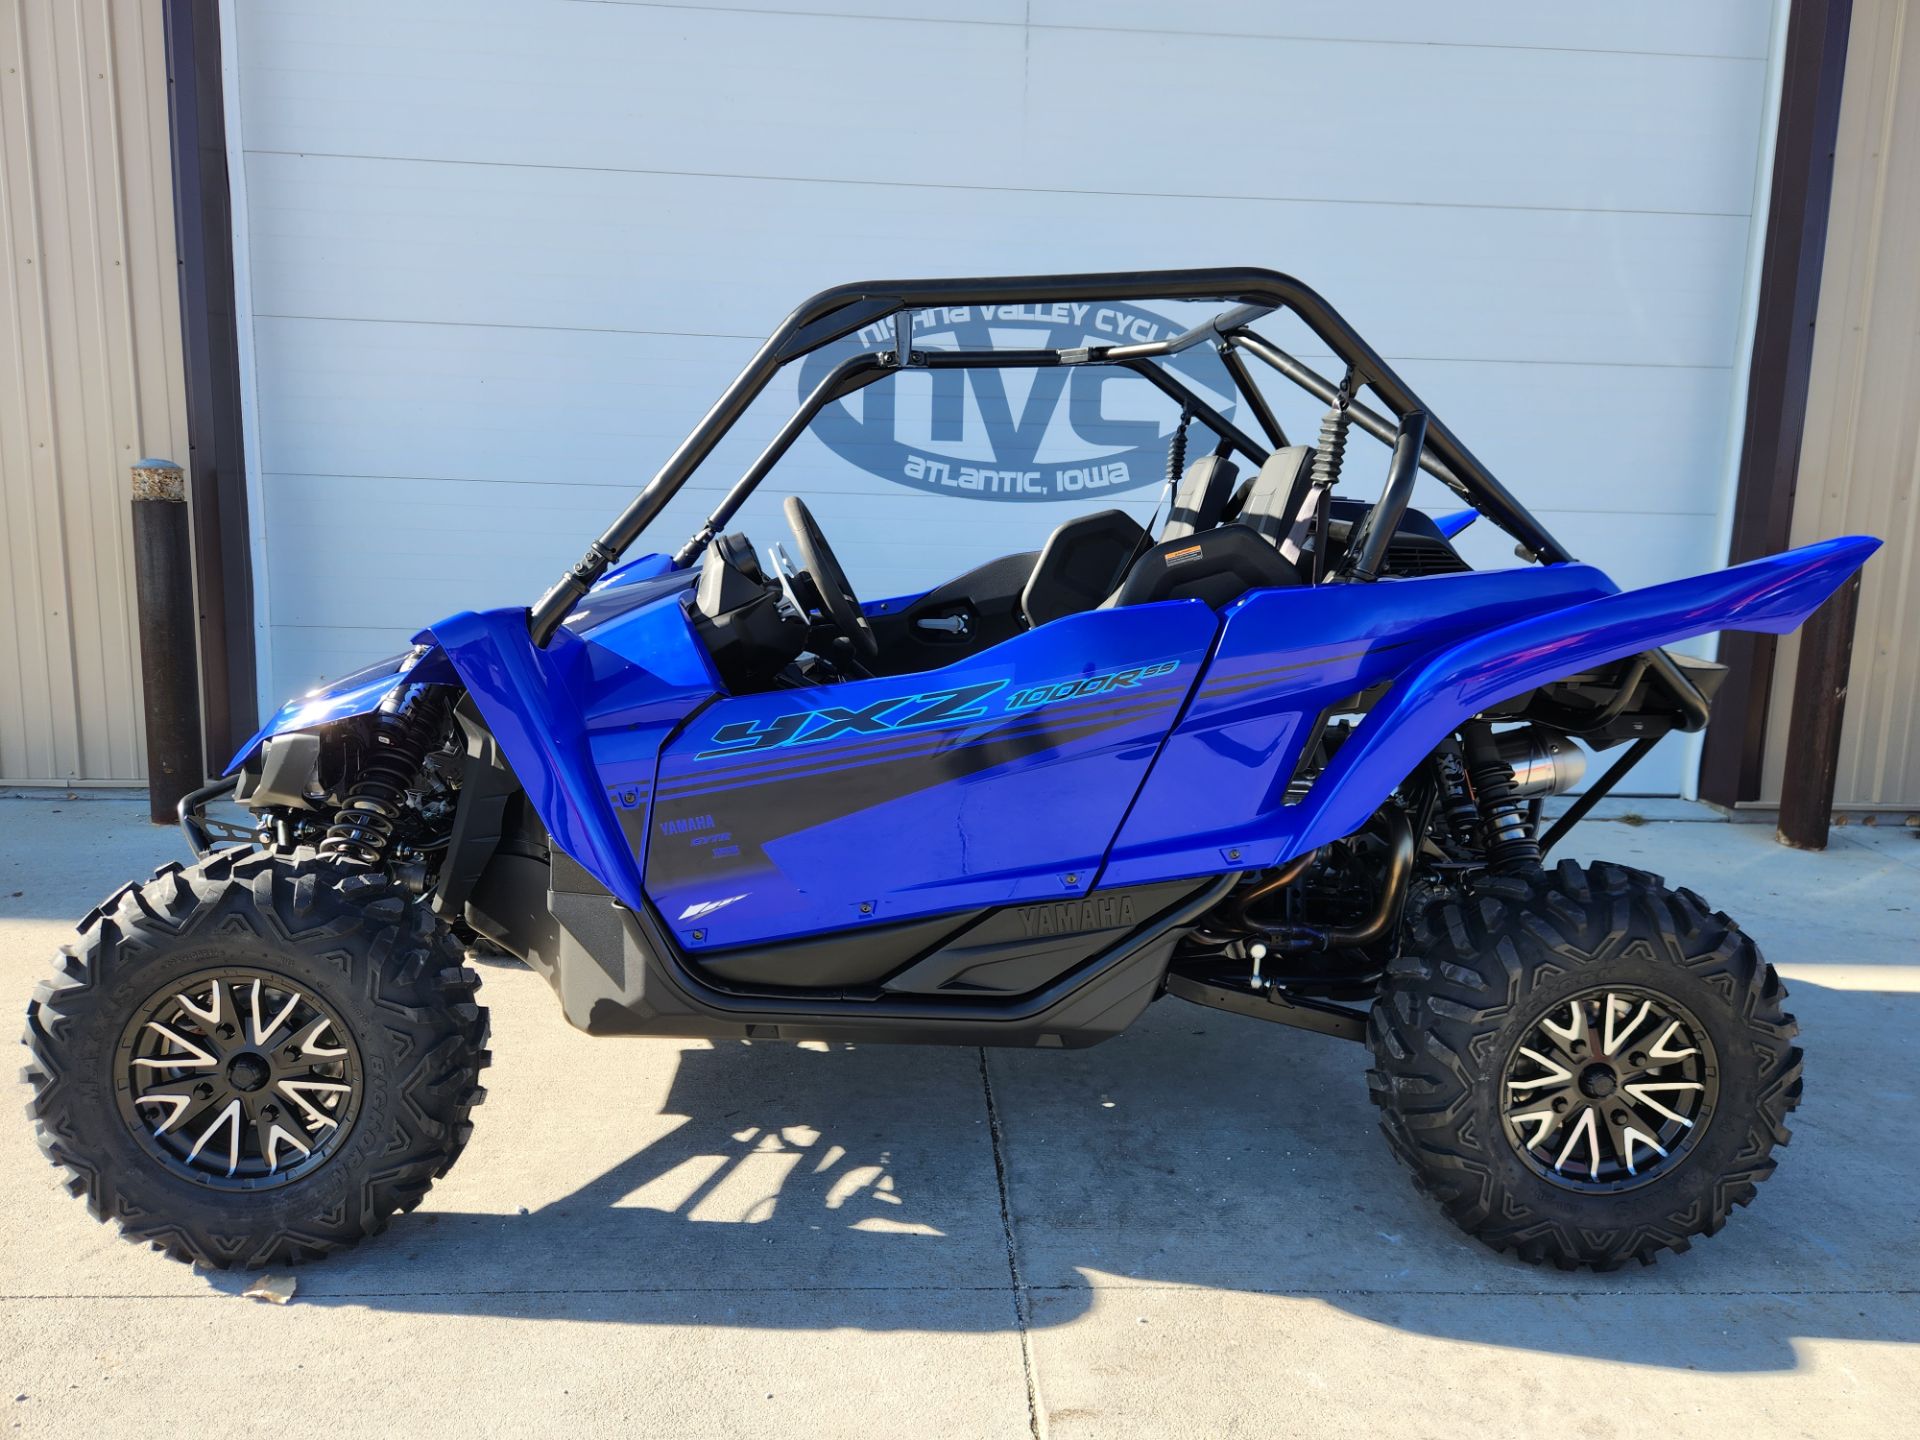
<point>1368,545</point>
<point>859,371</point>
<point>1252,294</point>
<point>854,373</point>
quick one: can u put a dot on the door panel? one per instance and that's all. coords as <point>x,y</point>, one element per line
<point>990,781</point>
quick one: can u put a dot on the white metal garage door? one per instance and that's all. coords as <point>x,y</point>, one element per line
<point>503,255</point>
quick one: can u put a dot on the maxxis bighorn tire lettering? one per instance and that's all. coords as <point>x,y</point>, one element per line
<point>376,955</point>
<point>1479,968</point>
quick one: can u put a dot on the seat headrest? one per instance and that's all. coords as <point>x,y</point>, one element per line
<point>1275,493</point>
<point>1200,498</point>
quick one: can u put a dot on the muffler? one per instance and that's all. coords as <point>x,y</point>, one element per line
<point>1544,761</point>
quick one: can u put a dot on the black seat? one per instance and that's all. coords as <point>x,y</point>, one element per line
<point>1217,566</point>
<point>1102,559</point>
<point>1268,503</point>
<point>1080,564</point>
<point>1201,497</point>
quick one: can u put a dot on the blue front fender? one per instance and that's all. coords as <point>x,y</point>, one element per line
<point>531,701</point>
<point>1774,594</point>
<point>360,693</point>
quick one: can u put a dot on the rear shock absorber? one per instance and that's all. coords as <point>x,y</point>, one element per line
<point>407,724</point>
<point>1511,844</point>
<point>1461,815</point>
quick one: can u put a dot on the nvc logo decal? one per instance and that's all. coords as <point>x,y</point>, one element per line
<point>993,434</point>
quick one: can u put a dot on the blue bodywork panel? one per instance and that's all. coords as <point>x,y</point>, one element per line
<point>1284,657</point>
<point>357,694</point>
<point>1775,594</point>
<point>999,778</point>
<point>1110,748</point>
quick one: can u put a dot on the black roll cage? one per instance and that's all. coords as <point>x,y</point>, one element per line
<point>1252,295</point>
<point>1417,437</point>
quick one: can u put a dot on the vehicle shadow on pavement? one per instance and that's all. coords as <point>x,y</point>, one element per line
<point>895,1188</point>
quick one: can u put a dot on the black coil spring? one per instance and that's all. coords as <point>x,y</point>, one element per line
<point>1462,816</point>
<point>1503,809</point>
<point>406,725</point>
<point>1329,454</point>
<point>1177,450</point>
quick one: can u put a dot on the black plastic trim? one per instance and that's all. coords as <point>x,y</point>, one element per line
<point>619,972</point>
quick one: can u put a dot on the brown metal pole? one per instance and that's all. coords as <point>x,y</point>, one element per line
<point>1819,709</point>
<point>169,674</point>
<point>1815,67</point>
<point>209,344</point>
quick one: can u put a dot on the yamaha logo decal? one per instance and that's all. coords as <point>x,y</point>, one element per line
<point>1054,434</point>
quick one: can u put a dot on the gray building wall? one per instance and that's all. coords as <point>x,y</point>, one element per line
<point>90,373</point>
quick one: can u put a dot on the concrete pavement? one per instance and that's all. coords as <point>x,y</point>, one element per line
<point>1193,1230</point>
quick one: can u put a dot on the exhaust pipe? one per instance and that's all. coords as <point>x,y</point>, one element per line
<point>1544,762</point>
<point>1307,939</point>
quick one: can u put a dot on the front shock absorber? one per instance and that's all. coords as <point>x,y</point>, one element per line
<point>1511,844</point>
<point>408,723</point>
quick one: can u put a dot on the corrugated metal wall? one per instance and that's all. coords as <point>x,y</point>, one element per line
<point>89,372</point>
<point>1860,461</point>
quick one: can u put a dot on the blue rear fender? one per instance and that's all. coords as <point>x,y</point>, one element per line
<point>1775,594</point>
<point>1283,658</point>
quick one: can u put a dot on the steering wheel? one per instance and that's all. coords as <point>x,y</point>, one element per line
<point>836,595</point>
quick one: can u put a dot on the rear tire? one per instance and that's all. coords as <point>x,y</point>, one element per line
<point>382,996</point>
<point>1457,1042</point>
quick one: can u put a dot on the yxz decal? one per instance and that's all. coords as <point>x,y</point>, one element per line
<point>804,727</point>
<point>911,712</point>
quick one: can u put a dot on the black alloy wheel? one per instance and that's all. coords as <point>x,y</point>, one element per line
<point>239,1079</point>
<point>1608,1088</point>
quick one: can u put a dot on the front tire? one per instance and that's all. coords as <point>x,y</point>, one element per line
<point>1582,1066</point>
<point>258,1060</point>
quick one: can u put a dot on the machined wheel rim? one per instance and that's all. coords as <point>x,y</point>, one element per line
<point>239,1079</point>
<point>1608,1090</point>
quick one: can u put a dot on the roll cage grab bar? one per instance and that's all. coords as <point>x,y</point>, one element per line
<point>1251,293</point>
